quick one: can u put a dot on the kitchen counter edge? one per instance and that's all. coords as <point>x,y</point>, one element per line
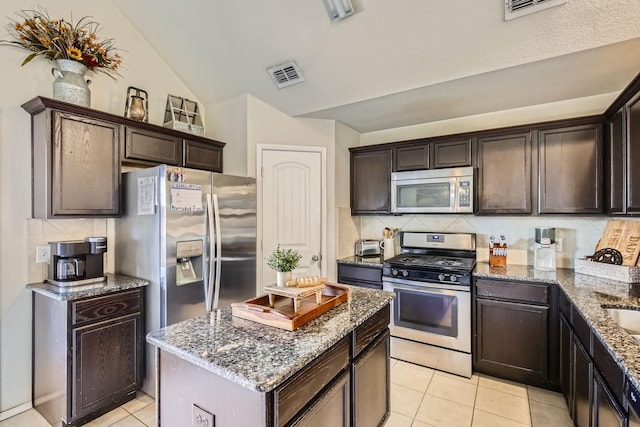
<point>588,294</point>
<point>113,283</point>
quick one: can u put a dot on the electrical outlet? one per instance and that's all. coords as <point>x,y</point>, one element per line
<point>558,245</point>
<point>43,254</point>
<point>201,417</point>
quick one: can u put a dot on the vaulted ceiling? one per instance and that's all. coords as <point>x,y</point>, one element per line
<point>394,63</point>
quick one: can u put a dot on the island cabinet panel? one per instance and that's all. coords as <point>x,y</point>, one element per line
<point>371,182</point>
<point>298,391</point>
<point>371,403</point>
<point>411,158</point>
<point>150,148</point>
<point>202,156</point>
<point>515,331</point>
<point>504,174</point>
<point>370,330</point>
<point>451,154</point>
<point>333,408</point>
<point>368,276</point>
<point>570,169</point>
<point>87,355</point>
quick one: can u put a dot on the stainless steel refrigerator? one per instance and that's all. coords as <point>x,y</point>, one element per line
<point>192,234</point>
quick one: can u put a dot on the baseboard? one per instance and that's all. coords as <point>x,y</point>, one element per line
<point>15,411</point>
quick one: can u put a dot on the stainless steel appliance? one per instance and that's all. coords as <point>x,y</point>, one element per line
<point>432,191</point>
<point>367,248</point>
<point>192,234</point>
<point>431,314</point>
<point>77,262</point>
<point>632,396</point>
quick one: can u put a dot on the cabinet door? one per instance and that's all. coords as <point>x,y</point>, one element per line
<point>504,174</point>
<point>582,374</point>
<point>411,158</point>
<point>615,170</point>
<point>332,407</point>
<point>633,154</point>
<point>570,170</point>
<point>151,148</point>
<point>565,358</point>
<point>105,363</point>
<point>370,401</point>
<point>451,154</point>
<point>202,156</point>
<point>606,411</point>
<point>512,340</point>
<point>371,182</point>
<point>85,168</point>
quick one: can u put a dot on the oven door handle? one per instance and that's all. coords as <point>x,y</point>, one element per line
<point>441,288</point>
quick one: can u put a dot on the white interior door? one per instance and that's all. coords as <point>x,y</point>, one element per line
<point>292,207</point>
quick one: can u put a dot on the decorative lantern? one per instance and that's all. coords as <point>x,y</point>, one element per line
<point>137,105</point>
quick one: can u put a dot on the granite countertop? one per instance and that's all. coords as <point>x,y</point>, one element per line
<point>113,283</point>
<point>588,294</point>
<point>373,261</point>
<point>261,357</point>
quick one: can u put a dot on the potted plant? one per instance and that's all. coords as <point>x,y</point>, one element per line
<point>283,261</point>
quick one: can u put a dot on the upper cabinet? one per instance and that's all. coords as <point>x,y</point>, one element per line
<point>370,180</point>
<point>432,154</point>
<point>75,165</point>
<point>77,153</point>
<point>451,154</point>
<point>570,170</point>
<point>411,158</point>
<point>504,174</point>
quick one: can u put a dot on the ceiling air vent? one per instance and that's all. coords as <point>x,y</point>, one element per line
<point>286,74</point>
<point>517,8</point>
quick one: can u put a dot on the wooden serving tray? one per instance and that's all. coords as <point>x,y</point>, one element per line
<point>282,315</point>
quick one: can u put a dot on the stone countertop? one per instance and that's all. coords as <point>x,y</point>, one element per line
<point>261,357</point>
<point>113,283</point>
<point>373,261</point>
<point>588,294</point>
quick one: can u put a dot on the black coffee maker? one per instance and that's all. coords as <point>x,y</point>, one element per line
<point>77,262</point>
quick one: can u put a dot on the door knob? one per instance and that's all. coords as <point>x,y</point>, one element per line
<point>315,258</point>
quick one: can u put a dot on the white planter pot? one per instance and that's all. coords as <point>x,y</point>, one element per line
<point>283,277</point>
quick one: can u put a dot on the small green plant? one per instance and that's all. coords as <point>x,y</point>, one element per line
<point>283,259</point>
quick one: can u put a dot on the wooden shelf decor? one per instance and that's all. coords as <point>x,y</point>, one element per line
<point>183,115</point>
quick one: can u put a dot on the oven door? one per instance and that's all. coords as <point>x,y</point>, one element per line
<point>431,313</point>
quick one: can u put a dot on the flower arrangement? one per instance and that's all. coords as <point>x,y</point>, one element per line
<point>60,39</point>
<point>283,259</point>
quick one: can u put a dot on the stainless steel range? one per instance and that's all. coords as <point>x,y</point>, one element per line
<point>431,314</point>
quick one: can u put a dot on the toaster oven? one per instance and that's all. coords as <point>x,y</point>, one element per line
<point>367,248</point>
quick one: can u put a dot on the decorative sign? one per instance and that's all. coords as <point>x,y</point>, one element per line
<point>186,197</point>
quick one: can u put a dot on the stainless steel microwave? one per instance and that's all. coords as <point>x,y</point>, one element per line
<point>432,191</point>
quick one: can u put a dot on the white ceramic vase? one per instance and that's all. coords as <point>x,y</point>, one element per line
<point>283,277</point>
<point>70,84</point>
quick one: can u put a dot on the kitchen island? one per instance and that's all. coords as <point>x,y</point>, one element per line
<point>334,369</point>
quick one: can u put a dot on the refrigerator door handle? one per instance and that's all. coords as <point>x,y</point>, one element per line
<point>212,232</point>
<point>218,235</point>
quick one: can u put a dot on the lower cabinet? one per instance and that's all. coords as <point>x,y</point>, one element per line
<point>371,404</point>
<point>331,409</point>
<point>606,411</point>
<point>582,374</point>
<point>513,333</point>
<point>87,354</point>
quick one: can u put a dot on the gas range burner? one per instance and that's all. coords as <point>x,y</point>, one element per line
<point>436,262</point>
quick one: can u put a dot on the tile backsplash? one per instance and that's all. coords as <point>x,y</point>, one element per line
<point>41,232</point>
<point>579,234</point>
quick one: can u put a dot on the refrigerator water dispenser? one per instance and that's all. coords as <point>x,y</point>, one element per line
<point>188,262</point>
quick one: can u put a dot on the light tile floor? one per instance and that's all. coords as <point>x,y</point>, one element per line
<point>420,397</point>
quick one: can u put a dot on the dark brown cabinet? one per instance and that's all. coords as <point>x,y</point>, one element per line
<point>75,164</point>
<point>582,374</point>
<point>411,158</point>
<point>451,154</point>
<point>513,331</point>
<point>606,411</point>
<point>368,276</point>
<point>88,354</point>
<point>570,169</point>
<point>151,148</point>
<point>504,174</point>
<point>633,155</point>
<point>200,155</point>
<point>371,404</point>
<point>333,407</point>
<point>370,181</point>
<point>615,164</point>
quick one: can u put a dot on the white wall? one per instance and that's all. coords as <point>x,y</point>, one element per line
<point>18,233</point>
<point>227,122</point>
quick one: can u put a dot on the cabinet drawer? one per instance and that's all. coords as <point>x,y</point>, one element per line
<point>355,273</point>
<point>517,291</point>
<point>298,391</point>
<point>151,147</point>
<point>582,330</point>
<point>368,331</point>
<point>202,156</point>
<point>105,307</point>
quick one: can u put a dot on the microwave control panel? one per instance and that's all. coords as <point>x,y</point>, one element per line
<point>464,194</point>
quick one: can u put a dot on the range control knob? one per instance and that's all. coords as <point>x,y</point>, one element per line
<point>454,278</point>
<point>394,272</point>
<point>441,277</point>
<point>405,273</point>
